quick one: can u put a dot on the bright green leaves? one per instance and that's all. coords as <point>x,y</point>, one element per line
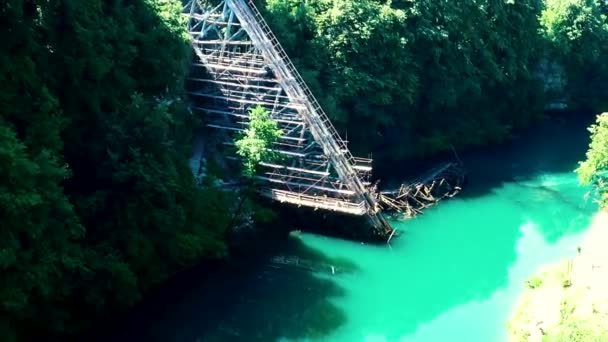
<point>254,146</point>
<point>594,170</point>
<point>566,21</point>
<point>577,31</point>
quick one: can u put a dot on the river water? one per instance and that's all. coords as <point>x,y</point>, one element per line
<point>453,274</point>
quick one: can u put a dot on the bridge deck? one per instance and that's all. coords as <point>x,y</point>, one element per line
<point>244,67</point>
<point>318,202</point>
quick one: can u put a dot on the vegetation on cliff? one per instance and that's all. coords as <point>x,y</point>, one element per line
<point>554,309</point>
<point>576,32</point>
<point>427,75</point>
<point>411,78</point>
<point>594,170</point>
<point>97,201</point>
<point>567,302</point>
<point>253,145</point>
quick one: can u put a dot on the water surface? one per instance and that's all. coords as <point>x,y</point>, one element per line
<point>453,275</point>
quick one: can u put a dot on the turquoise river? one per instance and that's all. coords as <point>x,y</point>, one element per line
<point>453,275</point>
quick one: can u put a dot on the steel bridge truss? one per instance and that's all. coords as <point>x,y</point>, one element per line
<point>242,65</point>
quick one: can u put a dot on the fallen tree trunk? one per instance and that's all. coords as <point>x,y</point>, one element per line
<point>410,199</point>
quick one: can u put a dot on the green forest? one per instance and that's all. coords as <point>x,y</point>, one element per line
<point>97,199</point>
<point>594,170</point>
<point>410,78</point>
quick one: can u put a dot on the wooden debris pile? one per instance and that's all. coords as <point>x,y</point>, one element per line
<point>412,198</point>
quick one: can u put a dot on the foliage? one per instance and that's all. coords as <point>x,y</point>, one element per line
<point>412,78</point>
<point>254,145</point>
<point>594,170</point>
<point>577,31</point>
<point>534,282</point>
<point>579,330</point>
<point>97,201</point>
<point>535,313</point>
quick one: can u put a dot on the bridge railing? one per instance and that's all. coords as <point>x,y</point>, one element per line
<point>292,69</point>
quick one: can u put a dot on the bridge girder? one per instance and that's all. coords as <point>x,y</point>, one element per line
<point>245,66</point>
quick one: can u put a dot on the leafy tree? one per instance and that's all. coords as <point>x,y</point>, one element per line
<point>594,170</point>
<point>39,253</point>
<point>254,146</point>
<point>97,201</point>
<point>577,31</point>
<point>412,78</point>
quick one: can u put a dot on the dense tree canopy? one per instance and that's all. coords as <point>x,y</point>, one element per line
<point>97,201</point>
<point>577,35</point>
<point>410,78</point>
<point>253,146</point>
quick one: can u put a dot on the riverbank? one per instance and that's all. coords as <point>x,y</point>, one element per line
<point>454,274</point>
<point>568,301</point>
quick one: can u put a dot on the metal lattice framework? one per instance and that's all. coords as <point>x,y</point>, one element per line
<point>245,66</point>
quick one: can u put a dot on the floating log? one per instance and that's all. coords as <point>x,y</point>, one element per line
<point>410,199</point>
<point>295,262</point>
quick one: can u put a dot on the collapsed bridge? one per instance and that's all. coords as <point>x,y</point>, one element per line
<point>242,65</point>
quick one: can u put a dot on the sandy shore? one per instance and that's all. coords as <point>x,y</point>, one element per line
<point>567,293</point>
<point>590,267</point>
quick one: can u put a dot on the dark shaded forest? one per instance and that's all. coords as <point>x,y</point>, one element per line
<point>97,200</point>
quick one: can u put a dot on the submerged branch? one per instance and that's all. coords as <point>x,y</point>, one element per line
<point>410,199</point>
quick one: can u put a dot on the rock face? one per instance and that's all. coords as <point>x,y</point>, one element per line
<point>198,162</point>
<point>554,79</point>
<point>568,301</point>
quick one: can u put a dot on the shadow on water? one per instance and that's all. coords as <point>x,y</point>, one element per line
<point>554,146</point>
<point>327,223</point>
<point>551,146</point>
<point>245,299</point>
<point>443,260</point>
